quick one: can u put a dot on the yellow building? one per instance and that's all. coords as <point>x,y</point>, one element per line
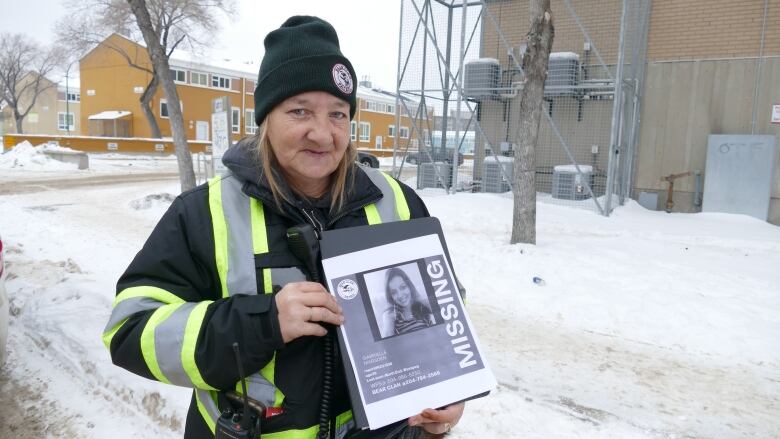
<point>374,125</point>
<point>111,92</point>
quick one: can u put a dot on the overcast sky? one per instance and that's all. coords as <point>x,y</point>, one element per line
<point>368,29</point>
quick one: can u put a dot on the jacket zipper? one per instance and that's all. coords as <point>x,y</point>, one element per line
<point>313,220</point>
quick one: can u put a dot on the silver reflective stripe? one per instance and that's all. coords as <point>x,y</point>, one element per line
<point>128,307</point>
<point>282,276</point>
<point>241,278</point>
<point>206,403</point>
<point>242,275</point>
<point>258,388</point>
<point>386,206</point>
<point>342,430</point>
<point>168,339</point>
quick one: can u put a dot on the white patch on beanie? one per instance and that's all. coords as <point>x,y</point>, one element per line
<point>342,78</point>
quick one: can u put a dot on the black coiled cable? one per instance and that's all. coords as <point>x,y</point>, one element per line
<point>327,385</point>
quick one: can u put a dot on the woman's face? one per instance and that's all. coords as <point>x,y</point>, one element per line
<point>399,291</point>
<point>309,134</point>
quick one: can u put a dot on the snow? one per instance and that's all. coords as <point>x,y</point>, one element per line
<point>564,55</point>
<point>28,157</point>
<point>109,115</point>
<point>647,325</point>
<point>573,168</point>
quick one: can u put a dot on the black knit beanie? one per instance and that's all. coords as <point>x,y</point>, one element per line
<point>303,55</point>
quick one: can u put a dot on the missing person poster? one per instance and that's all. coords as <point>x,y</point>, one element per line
<point>406,337</point>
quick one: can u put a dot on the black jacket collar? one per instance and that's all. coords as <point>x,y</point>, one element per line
<point>242,160</point>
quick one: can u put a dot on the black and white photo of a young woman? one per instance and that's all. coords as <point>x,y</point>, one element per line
<point>399,300</point>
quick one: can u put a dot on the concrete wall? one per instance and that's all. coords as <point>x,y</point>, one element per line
<point>685,102</point>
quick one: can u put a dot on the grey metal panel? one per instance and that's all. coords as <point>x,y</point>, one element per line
<point>738,176</point>
<point>648,200</point>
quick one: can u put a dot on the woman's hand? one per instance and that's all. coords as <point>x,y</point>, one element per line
<point>302,307</point>
<point>438,421</point>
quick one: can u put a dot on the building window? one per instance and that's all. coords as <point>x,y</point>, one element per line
<point>249,122</point>
<point>199,78</point>
<point>235,120</point>
<point>164,108</point>
<point>220,81</point>
<point>65,122</point>
<point>74,97</point>
<point>404,131</point>
<point>179,75</point>
<point>365,131</point>
<point>391,130</point>
<point>391,109</point>
<point>353,131</point>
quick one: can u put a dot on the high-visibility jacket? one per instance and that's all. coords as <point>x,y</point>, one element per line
<point>206,278</point>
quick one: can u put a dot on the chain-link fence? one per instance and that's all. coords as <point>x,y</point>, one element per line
<point>461,76</point>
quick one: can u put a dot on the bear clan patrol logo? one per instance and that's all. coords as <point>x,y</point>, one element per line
<point>347,289</point>
<point>342,78</point>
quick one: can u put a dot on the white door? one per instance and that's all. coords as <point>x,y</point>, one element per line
<point>378,143</point>
<point>201,130</point>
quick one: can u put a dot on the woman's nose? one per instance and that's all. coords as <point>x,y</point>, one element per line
<point>320,131</point>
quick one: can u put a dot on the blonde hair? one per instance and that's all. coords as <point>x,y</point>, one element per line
<point>338,185</point>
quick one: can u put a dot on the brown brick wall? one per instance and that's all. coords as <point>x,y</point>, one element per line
<point>679,29</point>
<point>706,29</point>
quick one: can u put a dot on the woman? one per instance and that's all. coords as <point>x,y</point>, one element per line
<point>407,312</point>
<point>217,270</point>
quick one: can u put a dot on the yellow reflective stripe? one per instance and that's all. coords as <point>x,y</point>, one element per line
<point>343,418</point>
<point>220,231</point>
<point>268,372</point>
<point>308,433</point>
<point>194,323</point>
<point>147,339</point>
<point>259,237</point>
<point>401,207</point>
<point>372,215</point>
<point>212,423</point>
<point>108,336</point>
<point>268,286</point>
<point>151,292</point>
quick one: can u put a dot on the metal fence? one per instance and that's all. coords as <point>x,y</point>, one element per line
<point>460,79</point>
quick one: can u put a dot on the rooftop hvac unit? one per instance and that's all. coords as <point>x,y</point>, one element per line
<point>493,179</point>
<point>433,175</point>
<point>568,184</point>
<point>562,74</point>
<point>482,79</point>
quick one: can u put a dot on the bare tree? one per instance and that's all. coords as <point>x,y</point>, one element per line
<point>24,66</point>
<point>539,41</point>
<point>169,25</point>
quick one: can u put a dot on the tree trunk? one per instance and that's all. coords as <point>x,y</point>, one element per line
<point>163,72</point>
<point>146,107</point>
<point>539,40</point>
<point>18,119</point>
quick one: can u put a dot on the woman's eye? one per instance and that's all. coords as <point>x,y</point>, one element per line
<point>338,115</point>
<point>298,112</point>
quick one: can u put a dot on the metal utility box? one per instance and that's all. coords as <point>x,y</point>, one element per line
<point>493,179</point>
<point>563,73</point>
<point>482,79</point>
<point>739,172</point>
<point>568,184</point>
<point>433,175</point>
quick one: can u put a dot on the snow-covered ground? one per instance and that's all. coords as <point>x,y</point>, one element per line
<point>647,325</point>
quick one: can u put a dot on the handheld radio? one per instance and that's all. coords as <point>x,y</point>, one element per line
<point>235,425</point>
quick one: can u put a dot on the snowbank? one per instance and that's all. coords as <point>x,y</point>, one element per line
<point>25,155</point>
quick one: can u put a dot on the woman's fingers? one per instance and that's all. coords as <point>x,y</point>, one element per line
<point>438,421</point>
<point>302,308</point>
